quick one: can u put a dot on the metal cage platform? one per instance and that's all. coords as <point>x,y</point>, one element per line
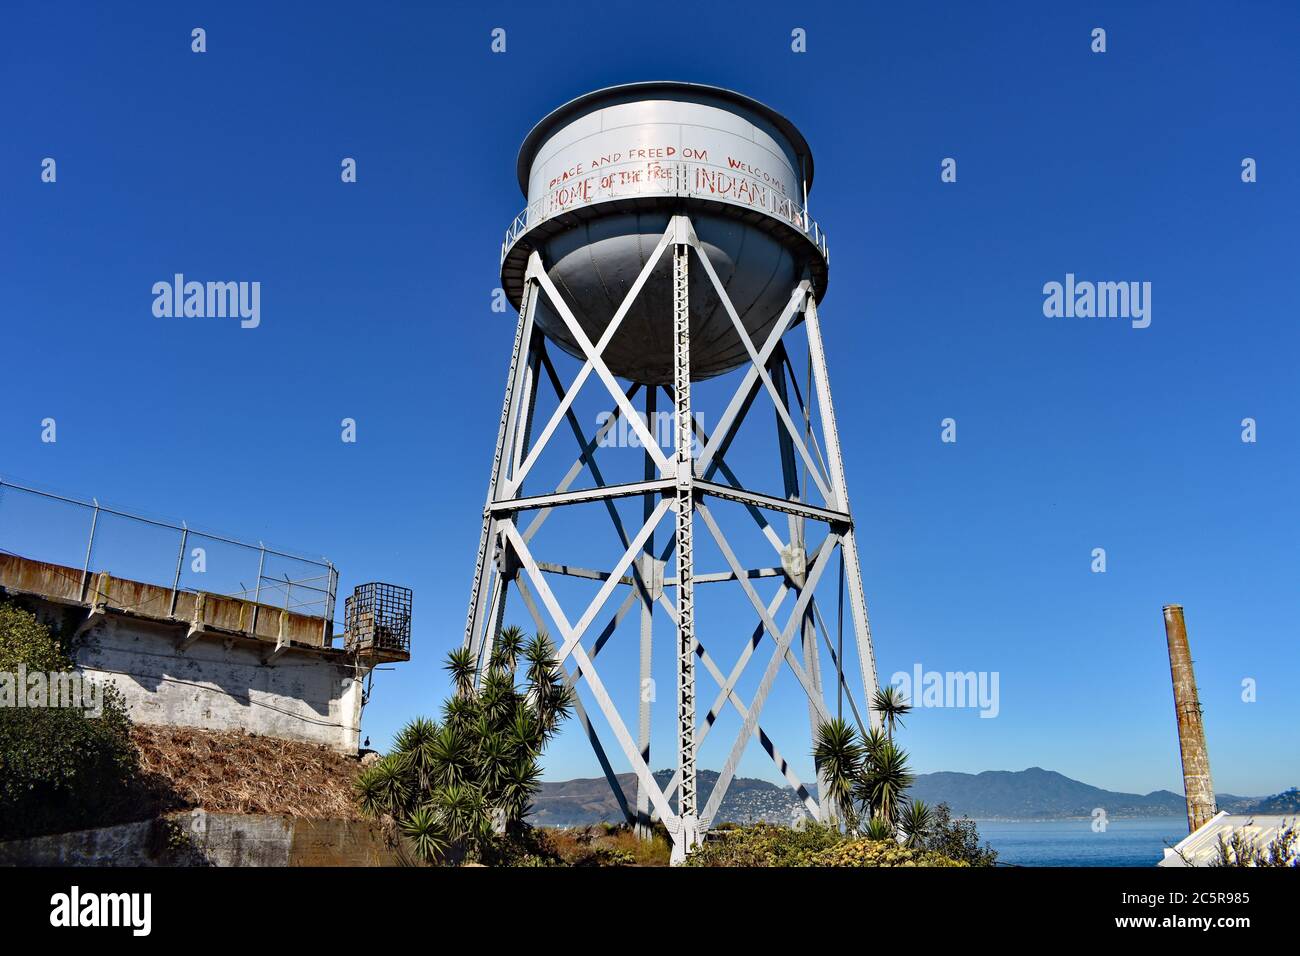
<point>378,617</point>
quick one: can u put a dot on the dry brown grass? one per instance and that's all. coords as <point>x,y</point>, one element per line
<point>607,845</point>
<point>237,772</point>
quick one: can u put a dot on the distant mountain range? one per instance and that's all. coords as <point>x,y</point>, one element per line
<point>572,803</point>
<point>1038,794</point>
<point>1033,794</point>
<point>1288,801</point>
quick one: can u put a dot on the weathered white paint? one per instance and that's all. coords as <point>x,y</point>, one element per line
<point>632,149</point>
<point>224,683</point>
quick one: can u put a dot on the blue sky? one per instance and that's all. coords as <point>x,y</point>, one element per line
<point>1073,434</point>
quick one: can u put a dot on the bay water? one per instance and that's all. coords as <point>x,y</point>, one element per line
<point>1127,842</point>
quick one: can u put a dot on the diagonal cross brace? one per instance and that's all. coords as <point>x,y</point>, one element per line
<point>594,362</point>
<point>810,689</point>
<point>573,634</point>
<point>764,687</point>
<point>630,750</point>
<point>728,693</point>
<point>601,757</point>
<point>576,468</point>
<point>744,392</point>
<point>759,361</point>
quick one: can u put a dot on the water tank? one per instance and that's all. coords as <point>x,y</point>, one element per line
<point>604,173</point>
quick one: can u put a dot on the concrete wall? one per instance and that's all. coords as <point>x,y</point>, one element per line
<point>210,662</point>
<point>224,683</point>
<point>130,844</point>
<point>199,838</point>
<point>231,839</point>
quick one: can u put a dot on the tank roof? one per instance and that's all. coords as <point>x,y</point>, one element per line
<point>648,89</point>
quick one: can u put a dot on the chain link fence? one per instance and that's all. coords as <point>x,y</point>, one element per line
<point>88,537</point>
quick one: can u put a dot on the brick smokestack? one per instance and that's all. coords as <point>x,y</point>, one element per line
<point>1191,731</point>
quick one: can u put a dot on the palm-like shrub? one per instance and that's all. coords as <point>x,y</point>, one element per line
<point>873,771</point>
<point>866,776</point>
<point>463,669</point>
<point>383,787</point>
<point>426,832</point>
<point>457,789</point>
<point>839,756</point>
<point>892,707</point>
<point>879,829</point>
<point>915,822</point>
<point>884,781</point>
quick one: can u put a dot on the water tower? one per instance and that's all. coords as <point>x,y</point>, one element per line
<point>667,241</point>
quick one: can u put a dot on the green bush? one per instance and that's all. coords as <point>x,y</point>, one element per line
<point>879,853</point>
<point>956,839</point>
<point>812,845</point>
<point>765,844</point>
<point>60,769</point>
<point>25,640</point>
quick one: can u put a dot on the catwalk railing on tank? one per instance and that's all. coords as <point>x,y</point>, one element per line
<point>86,535</point>
<point>697,180</point>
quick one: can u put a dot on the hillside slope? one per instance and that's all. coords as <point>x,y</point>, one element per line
<point>1045,794</point>
<point>1033,794</point>
<point>571,803</point>
<point>235,772</point>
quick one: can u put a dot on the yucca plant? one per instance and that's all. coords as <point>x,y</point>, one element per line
<point>457,788</point>
<point>878,828</point>
<point>519,784</point>
<point>415,744</point>
<point>885,781</point>
<point>506,650</point>
<point>892,707</point>
<point>463,669</point>
<point>865,776</point>
<point>874,739</point>
<point>425,830</point>
<point>838,755</point>
<point>380,789</point>
<point>915,822</point>
<point>383,788</point>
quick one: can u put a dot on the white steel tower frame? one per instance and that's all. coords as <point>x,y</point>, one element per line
<point>684,485</point>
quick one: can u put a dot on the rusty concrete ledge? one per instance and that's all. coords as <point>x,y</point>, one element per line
<point>201,614</point>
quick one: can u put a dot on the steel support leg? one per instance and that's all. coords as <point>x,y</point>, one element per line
<point>475,623</point>
<point>849,544</point>
<point>523,403</point>
<point>645,686</point>
<point>687,796</point>
<point>795,557</point>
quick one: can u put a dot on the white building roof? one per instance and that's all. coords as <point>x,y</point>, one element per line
<point>1202,847</point>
